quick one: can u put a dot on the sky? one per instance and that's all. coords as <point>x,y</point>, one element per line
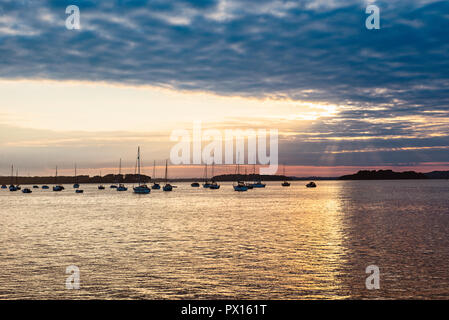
<point>342,97</point>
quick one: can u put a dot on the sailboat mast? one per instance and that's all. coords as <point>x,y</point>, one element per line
<point>254,167</point>
<point>154,171</point>
<point>238,164</point>
<point>138,163</point>
<point>12,174</point>
<point>166,170</point>
<point>120,170</point>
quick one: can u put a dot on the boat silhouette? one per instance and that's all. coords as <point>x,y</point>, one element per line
<point>168,186</point>
<point>155,186</point>
<point>141,188</point>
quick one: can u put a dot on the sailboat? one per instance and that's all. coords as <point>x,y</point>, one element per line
<point>57,187</point>
<point>121,186</point>
<point>241,186</point>
<point>101,186</point>
<point>249,185</point>
<point>206,183</point>
<point>141,188</point>
<point>257,183</point>
<point>168,186</point>
<point>114,186</point>
<point>155,185</point>
<point>4,186</point>
<point>27,190</point>
<point>17,180</point>
<point>213,185</point>
<point>76,185</point>
<point>12,187</point>
<point>285,183</point>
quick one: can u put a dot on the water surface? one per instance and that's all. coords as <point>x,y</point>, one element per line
<point>192,243</point>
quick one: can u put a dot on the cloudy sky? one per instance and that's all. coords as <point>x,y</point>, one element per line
<point>342,97</point>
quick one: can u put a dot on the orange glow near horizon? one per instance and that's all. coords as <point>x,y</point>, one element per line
<point>197,171</point>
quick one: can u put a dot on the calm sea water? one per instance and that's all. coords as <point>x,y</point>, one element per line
<point>273,243</point>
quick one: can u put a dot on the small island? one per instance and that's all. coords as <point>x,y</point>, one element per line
<point>384,175</point>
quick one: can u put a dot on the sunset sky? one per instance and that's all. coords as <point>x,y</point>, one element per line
<point>343,97</point>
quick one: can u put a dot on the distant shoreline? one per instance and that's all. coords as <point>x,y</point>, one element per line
<point>128,179</point>
<point>131,178</point>
<point>391,175</point>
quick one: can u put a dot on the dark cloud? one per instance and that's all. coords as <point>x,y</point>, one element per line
<point>310,50</point>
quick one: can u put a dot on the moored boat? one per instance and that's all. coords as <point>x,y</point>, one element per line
<point>141,188</point>
<point>311,185</point>
<point>167,186</point>
<point>101,186</point>
<point>214,185</point>
<point>12,187</point>
<point>76,184</point>
<point>121,186</point>
<point>57,188</point>
<point>206,183</point>
<point>155,186</point>
<point>241,186</point>
<point>285,183</point>
<point>257,183</point>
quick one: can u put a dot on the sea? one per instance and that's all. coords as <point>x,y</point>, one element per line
<point>195,243</point>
